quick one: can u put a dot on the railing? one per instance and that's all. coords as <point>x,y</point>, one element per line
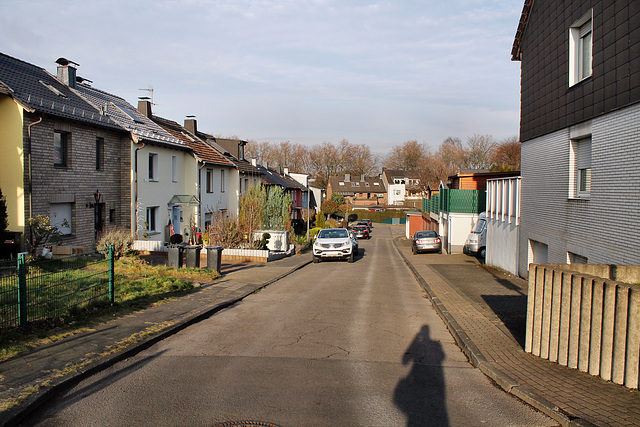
<point>52,288</point>
<point>458,201</point>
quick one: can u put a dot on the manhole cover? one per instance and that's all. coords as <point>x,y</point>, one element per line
<point>245,424</point>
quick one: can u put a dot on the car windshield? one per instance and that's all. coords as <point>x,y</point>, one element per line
<point>426,234</point>
<point>332,234</point>
<point>479,226</point>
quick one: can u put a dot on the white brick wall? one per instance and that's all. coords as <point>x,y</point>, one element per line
<point>605,228</point>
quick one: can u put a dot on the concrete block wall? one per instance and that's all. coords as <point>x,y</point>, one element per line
<point>602,228</point>
<point>584,322</point>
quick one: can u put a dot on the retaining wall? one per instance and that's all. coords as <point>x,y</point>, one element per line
<point>579,317</point>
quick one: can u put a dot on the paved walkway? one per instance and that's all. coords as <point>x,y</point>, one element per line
<point>484,309</point>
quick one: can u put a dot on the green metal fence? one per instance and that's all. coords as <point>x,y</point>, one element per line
<point>51,288</point>
<point>458,201</point>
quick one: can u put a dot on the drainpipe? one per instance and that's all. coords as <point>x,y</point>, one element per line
<point>136,140</point>
<point>29,172</point>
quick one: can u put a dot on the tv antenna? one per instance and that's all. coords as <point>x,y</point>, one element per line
<point>150,91</point>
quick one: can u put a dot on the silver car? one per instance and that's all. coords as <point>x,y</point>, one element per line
<point>426,241</point>
<point>335,243</point>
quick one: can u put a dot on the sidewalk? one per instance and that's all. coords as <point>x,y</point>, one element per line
<point>35,376</point>
<point>485,310</point>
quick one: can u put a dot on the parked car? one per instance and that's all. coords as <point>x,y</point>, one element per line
<point>476,243</point>
<point>334,243</point>
<point>362,232</point>
<point>368,221</point>
<point>364,224</point>
<point>426,241</point>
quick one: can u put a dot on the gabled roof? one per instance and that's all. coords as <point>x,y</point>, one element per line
<point>368,185</point>
<point>242,165</point>
<point>129,117</point>
<point>202,151</point>
<point>516,51</point>
<point>39,91</point>
<point>271,177</point>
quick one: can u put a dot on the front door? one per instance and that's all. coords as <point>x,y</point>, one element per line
<point>175,219</point>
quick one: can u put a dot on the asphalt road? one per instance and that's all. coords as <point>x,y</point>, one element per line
<point>332,344</point>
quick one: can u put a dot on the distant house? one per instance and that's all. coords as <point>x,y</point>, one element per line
<point>212,196</point>
<point>293,188</point>
<point>62,156</point>
<point>580,132</point>
<point>403,188</point>
<point>365,192</point>
<point>476,179</point>
<point>162,177</point>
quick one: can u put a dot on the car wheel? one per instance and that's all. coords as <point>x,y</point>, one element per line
<point>482,253</point>
<point>351,257</point>
<point>316,259</point>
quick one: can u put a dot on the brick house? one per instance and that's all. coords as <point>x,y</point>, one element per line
<point>476,179</point>
<point>580,132</point>
<point>61,157</point>
<point>363,193</point>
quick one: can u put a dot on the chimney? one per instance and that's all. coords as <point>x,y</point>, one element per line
<point>286,170</point>
<point>361,178</point>
<point>66,72</point>
<point>347,177</point>
<point>191,124</point>
<point>144,106</point>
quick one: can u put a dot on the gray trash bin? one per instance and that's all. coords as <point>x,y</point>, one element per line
<point>175,255</point>
<point>193,256</point>
<point>214,258</point>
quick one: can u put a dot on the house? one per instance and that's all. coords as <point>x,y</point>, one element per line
<point>476,179</point>
<point>242,177</point>
<point>294,189</point>
<point>580,132</point>
<point>62,157</point>
<point>162,178</point>
<point>365,193</point>
<point>213,169</point>
<point>403,188</point>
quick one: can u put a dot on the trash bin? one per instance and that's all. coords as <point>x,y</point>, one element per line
<point>214,258</point>
<point>175,256</point>
<point>193,256</point>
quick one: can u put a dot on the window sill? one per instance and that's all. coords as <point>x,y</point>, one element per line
<point>581,198</point>
<point>152,233</point>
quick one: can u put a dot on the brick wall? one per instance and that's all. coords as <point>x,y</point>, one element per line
<point>79,180</point>
<point>603,228</point>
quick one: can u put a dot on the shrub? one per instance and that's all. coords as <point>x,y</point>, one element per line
<point>175,239</point>
<point>223,231</point>
<point>262,243</point>
<point>121,240</point>
<point>332,223</point>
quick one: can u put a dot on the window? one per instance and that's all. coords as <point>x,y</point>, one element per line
<point>60,149</point>
<point>99,154</point>
<point>576,259</point>
<point>209,183</point>
<point>60,216</point>
<point>222,181</point>
<point>580,54</point>
<point>153,167</point>
<point>174,169</point>
<point>112,216</point>
<point>152,219</point>
<point>580,161</point>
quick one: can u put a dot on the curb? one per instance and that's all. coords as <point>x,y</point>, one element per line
<point>17,414</point>
<point>477,359</point>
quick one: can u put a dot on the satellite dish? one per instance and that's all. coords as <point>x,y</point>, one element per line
<point>65,61</point>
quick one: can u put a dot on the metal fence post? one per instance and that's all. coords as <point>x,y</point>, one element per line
<point>111,274</point>
<point>22,290</point>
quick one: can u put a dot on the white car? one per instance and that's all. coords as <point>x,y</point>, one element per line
<point>334,243</point>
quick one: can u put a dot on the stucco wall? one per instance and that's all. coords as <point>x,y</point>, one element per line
<point>12,166</point>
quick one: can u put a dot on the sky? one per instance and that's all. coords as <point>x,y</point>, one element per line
<point>306,71</point>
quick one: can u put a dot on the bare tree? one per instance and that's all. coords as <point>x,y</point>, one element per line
<point>408,156</point>
<point>479,151</point>
<point>506,155</point>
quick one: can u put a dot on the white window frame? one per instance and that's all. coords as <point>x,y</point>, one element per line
<point>581,49</point>
<point>174,168</point>
<point>580,166</point>
<point>58,214</point>
<point>153,167</point>
<point>222,183</point>
<point>152,219</point>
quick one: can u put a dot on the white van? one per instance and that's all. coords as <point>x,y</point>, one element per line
<point>476,243</point>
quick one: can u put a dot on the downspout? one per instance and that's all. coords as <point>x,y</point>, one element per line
<point>29,173</point>
<point>135,181</point>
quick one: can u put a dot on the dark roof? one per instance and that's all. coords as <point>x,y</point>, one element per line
<point>41,92</point>
<point>243,166</point>
<point>395,173</point>
<point>371,184</point>
<point>203,151</point>
<point>516,50</point>
<point>271,177</point>
<point>128,117</point>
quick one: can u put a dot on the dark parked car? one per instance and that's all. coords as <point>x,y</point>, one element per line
<point>426,241</point>
<point>368,221</point>
<point>362,232</point>
<point>364,224</point>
